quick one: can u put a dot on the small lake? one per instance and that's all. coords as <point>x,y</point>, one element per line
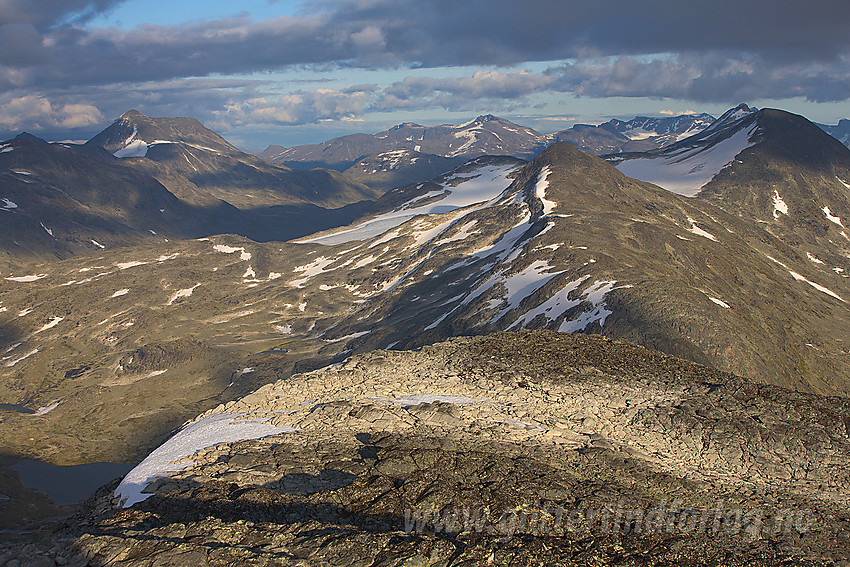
<point>71,484</point>
<point>16,408</point>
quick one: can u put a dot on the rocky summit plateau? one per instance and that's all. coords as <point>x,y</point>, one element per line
<point>505,449</point>
<point>455,345</point>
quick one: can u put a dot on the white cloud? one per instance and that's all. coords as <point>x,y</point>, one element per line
<point>38,112</point>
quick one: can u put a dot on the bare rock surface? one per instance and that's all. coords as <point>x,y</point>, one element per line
<point>521,448</point>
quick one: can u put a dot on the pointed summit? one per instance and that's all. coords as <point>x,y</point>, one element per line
<point>791,175</point>
<point>133,134</point>
<point>26,136</point>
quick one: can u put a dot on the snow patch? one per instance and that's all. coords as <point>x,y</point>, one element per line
<point>595,295</point>
<point>540,190</point>
<point>364,262</point>
<point>346,337</point>
<point>206,432</point>
<point>45,409</point>
<point>719,302</point>
<point>457,191</point>
<point>698,231</point>
<point>182,293</point>
<point>98,244</point>
<point>131,264</point>
<point>50,324</point>
<point>132,147</point>
<point>24,357</point>
<point>243,255</point>
<point>136,148</point>
<point>814,258</point>
<point>832,218</point>
<point>416,399</point>
<point>311,270</point>
<point>25,279</point>
<point>779,206</point>
<point>689,169</point>
<point>521,285</point>
<point>8,205</point>
<point>801,278</point>
<point>120,292</point>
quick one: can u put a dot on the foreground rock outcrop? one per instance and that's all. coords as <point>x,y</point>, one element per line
<point>508,449</point>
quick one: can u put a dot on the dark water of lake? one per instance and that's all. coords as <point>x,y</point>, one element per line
<point>16,408</point>
<point>71,484</point>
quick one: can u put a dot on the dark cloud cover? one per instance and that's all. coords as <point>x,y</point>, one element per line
<point>710,51</point>
<point>45,14</point>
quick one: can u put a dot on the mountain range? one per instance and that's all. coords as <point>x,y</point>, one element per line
<point>726,248</point>
<point>840,131</point>
<point>152,180</point>
<point>365,155</point>
<point>410,153</point>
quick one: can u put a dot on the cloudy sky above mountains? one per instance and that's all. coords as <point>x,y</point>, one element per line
<point>287,71</point>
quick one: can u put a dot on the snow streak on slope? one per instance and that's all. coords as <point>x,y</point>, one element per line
<point>829,216</point>
<point>458,191</point>
<point>540,190</point>
<point>801,278</point>
<point>687,171</point>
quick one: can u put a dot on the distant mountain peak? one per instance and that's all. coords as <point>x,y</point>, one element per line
<point>133,133</point>
<point>404,125</point>
<point>733,114</point>
<point>30,138</point>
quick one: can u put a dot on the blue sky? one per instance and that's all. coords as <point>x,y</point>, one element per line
<point>291,72</point>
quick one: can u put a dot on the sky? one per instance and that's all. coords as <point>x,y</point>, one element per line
<point>290,72</point>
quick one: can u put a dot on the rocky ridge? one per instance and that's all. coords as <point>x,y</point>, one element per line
<point>484,135</point>
<point>638,134</point>
<point>506,449</point>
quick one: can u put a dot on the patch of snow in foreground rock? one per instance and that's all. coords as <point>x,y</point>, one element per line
<point>204,433</point>
<point>416,399</point>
